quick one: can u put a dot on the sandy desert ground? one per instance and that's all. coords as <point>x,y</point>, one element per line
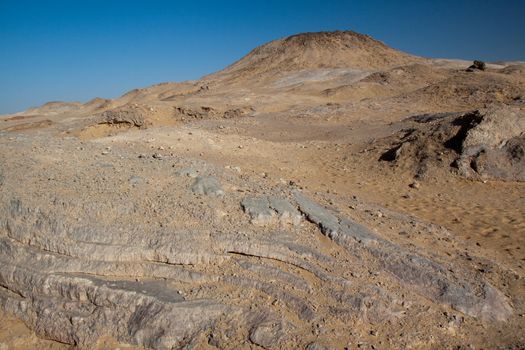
<point>326,191</point>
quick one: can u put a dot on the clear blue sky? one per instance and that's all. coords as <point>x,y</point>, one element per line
<point>75,50</point>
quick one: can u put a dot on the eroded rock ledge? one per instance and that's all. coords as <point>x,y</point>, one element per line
<point>167,261</point>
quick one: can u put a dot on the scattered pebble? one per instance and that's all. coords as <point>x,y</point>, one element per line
<point>415,185</point>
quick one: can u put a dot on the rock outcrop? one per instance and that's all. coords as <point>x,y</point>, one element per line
<point>164,267</point>
<point>482,144</point>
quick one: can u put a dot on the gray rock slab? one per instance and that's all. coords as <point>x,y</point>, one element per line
<point>437,281</point>
<point>268,210</point>
<point>327,222</point>
<point>285,210</point>
<point>208,186</point>
<point>259,210</point>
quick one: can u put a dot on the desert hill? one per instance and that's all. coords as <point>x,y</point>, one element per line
<point>341,49</point>
<point>325,191</point>
<point>313,69</point>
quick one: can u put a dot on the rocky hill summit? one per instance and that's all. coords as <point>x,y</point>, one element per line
<point>339,49</point>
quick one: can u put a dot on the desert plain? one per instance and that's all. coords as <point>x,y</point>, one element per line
<point>326,191</point>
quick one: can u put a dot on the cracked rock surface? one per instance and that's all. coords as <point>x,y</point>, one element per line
<point>171,260</point>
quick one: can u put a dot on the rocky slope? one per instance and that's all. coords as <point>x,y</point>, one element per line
<point>316,51</point>
<point>320,193</point>
<point>176,248</point>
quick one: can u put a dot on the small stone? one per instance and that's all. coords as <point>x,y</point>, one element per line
<point>315,346</point>
<point>266,335</point>
<point>190,172</point>
<point>415,185</point>
<point>208,185</point>
<point>134,180</point>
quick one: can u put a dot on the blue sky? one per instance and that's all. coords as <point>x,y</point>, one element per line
<point>76,50</point>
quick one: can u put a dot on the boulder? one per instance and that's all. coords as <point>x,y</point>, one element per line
<point>207,185</point>
<point>267,210</point>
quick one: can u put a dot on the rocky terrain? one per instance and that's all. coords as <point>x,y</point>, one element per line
<point>324,192</point>
<point>480,144</point>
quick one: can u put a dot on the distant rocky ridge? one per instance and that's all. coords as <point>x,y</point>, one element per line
<point>341,67</point>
